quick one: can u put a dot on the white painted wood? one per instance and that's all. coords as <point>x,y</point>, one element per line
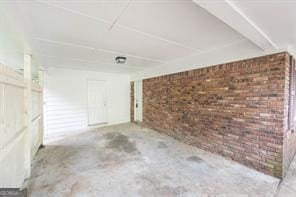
<point>138,101</point>
<point>96,102</point>
<point>41,107</point>
<point>270,14</point>
<point>35,104</point>
<point>1,112</point>
<point>15,146</point>
<point>12,172</point>
<point>13,110</point>
<point>181,21</point>
<point>28,112</point>
<point>233,16</point>
<point>37,118</point>
<point>66,99</point>
<point>35,142</point>
<point>12,129</point>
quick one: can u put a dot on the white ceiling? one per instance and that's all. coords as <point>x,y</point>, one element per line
<point>277,18</point>
<point>90,34</point>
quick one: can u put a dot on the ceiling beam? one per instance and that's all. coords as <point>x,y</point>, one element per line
<point>230,14</point>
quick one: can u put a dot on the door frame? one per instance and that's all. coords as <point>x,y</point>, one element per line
<point>105,102</point>
<point>138,118</point>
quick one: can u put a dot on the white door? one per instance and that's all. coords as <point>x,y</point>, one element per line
<point>97,102</point>
<point>138,100</point>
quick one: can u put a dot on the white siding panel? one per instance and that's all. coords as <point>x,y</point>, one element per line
<point>66,99</point>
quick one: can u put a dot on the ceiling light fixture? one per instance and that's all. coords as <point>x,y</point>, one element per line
<point>120,60</point>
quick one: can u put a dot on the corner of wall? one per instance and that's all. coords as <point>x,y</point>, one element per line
<point>289,138</point>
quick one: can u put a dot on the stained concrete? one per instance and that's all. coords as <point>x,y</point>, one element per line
<point>287,188</point>
<point>127,160</point>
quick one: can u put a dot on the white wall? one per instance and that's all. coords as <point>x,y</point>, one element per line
<point>66,99</point>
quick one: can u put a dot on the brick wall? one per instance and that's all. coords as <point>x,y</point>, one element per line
<point>289,137</point>
<point>132,102</point>
<point>236,110</point>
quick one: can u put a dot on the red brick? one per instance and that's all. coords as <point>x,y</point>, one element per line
<point>238,110</point>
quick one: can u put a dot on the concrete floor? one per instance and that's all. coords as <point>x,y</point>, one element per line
<point>127,160</point>
<point>287,187</point>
